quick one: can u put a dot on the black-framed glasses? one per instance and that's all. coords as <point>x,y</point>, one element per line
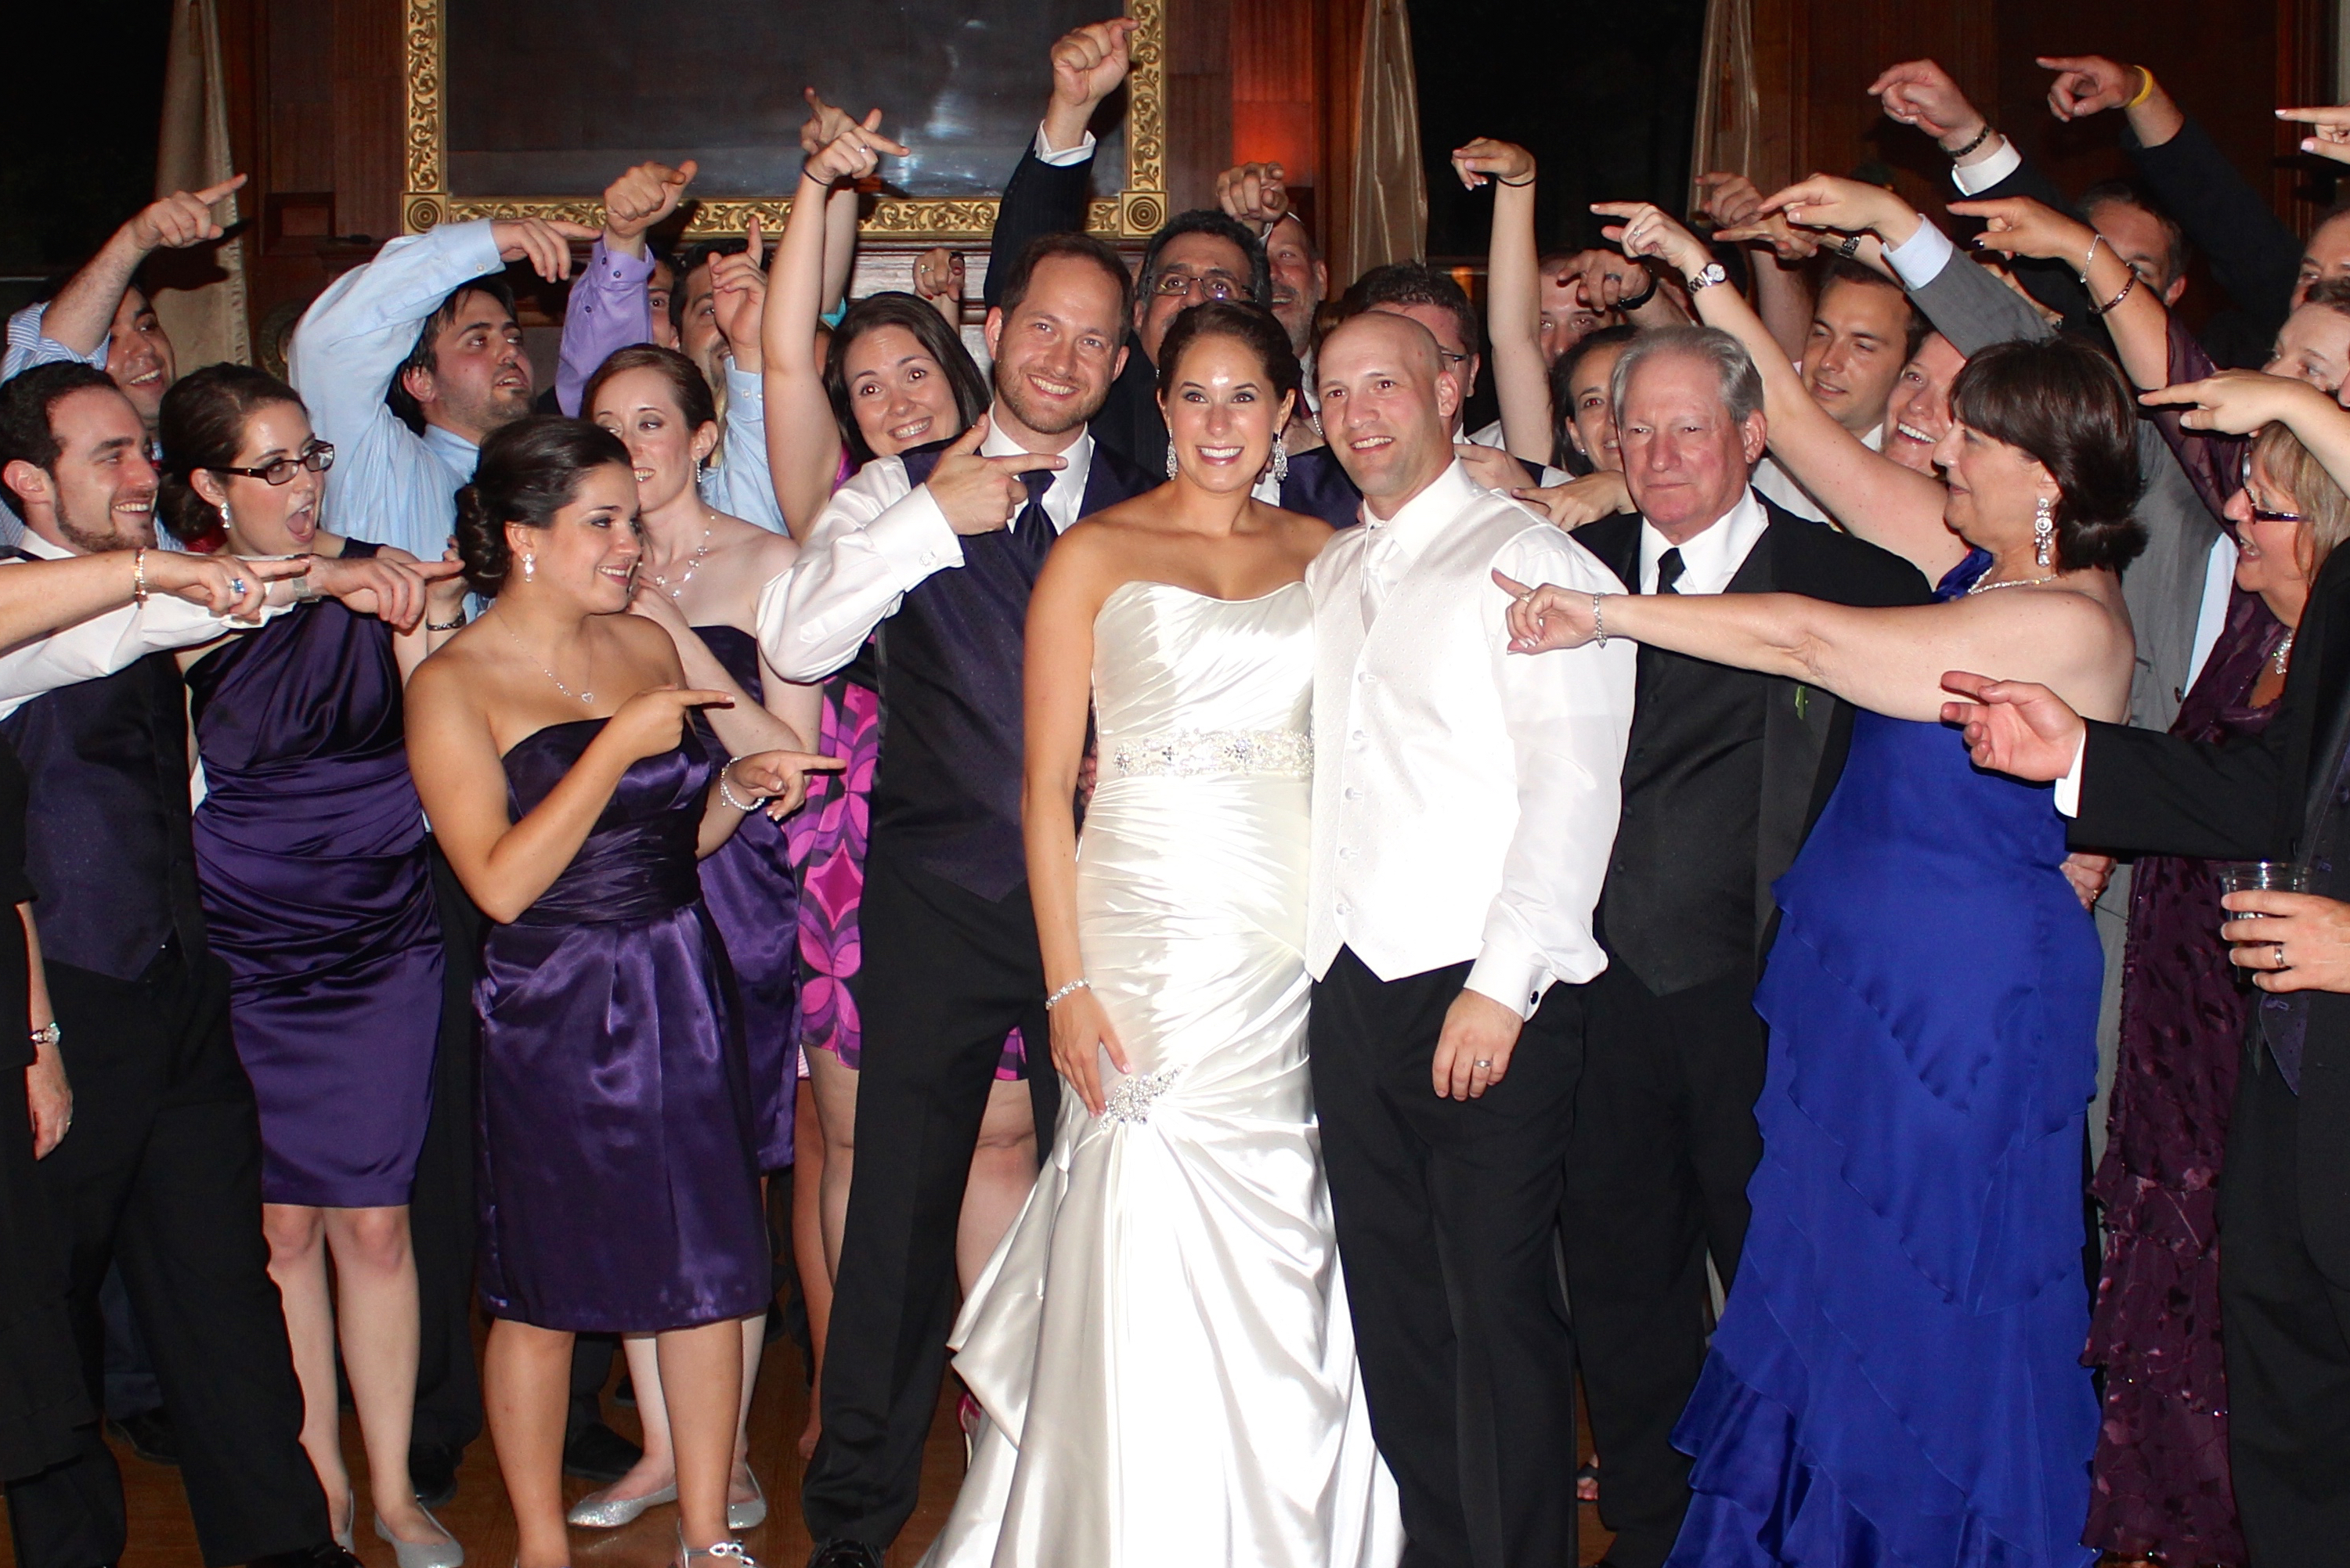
<point>1215,285</point>
<point>318,457</point>
<point>2261,514</point>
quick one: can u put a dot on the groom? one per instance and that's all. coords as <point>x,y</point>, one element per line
<point>1464,804</point>
<point>937,549</point>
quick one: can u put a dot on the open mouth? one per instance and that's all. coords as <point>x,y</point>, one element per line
<point>1052,388</point>
<point>1370,443</point>
<point>152,378</point>
<point>912,431</point>
<point>1219,454</point>
<point>1908,431</point>
<point>512,381</point>
<point>643,475</point>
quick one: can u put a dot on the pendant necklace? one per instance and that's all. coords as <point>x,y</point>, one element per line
<point>2013,583</point>
<point>588,697</point>
<point>2283,658</point>
<point>692,563</point>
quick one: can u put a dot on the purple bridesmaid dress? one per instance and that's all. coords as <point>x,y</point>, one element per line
<point>620,1187</point>
<point>753,899</point>
<point>318,895</point>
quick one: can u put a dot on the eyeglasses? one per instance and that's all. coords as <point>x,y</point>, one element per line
<point>1216,286</point>
<point>2261,514</point>
<point>318,457</point>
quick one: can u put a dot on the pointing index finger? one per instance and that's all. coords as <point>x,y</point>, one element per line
<point>212,194</point>
<point>1026,461</point>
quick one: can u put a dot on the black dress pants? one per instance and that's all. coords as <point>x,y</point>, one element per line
<point>1665,1143</point>
<point>441,1220</point>
<point>2286,1329</point>
<point>1446,1212</point>
<point>946,974</point>
<point>162,1175</point>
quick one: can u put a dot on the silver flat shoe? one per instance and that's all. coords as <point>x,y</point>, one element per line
<point>602,1511</point>
<point>426,1554</point>
<point>748,1515</point>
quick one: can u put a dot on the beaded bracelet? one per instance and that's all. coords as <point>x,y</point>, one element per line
<point>1980,138</point>
<point>2115,303</point>
<point>1066,991</point>
<point>726,791</point>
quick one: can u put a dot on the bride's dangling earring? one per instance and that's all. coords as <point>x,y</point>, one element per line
<point>1171,464</point>
<point>2043,530</point>
<point>1280,459</point>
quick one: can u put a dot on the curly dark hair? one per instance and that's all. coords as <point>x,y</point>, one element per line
<point>897,309</point>
<point>529,470</point>
<point>2065,404</point>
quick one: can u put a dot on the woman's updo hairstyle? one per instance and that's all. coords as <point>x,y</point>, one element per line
<point>687,384</point>
<point>529,471</point>
<point>201,425</point>
<point>2066,405</point>
<point>1253,325</point>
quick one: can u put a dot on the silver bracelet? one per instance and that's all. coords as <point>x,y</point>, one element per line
<point>1598,622</point>
<point>1066,991</point>
<point>726,792</point>
<point>2090,255</point>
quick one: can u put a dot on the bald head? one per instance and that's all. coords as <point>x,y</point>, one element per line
<point>1387,402</point>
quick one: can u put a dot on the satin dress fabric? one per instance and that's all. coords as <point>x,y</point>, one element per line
<point>754,898</point>
<point>1160,1346</point>
<point>1895,1378</point>
<point>319,897</point>
<point>620,1188</point>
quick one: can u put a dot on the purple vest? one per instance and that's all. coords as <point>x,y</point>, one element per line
<point>946,791</point>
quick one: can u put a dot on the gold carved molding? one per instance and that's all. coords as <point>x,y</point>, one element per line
<point>1135,212</point>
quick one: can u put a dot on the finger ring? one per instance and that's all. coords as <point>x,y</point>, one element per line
<point>2279,954</point>
<point>236,584</point>
<point>1483,1062</point>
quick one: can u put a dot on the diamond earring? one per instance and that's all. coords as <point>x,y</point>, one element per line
<point>529,567</point>
<point>2043,529</point>
<point>1171,464</point>
<point>1280,459</point>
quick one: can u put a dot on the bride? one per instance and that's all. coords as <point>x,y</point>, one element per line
<point>1161,1345</point>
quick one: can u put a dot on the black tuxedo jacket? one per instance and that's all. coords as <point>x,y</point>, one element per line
<point>1807,732</point>
<point>2268,797</point>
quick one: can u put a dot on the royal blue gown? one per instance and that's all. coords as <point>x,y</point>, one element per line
<point>1897,1377</point>
<point>620,1188</point>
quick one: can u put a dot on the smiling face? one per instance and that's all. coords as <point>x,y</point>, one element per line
<point>588,554</point>
<point>640,407</point>
<point>1388,403</point>
<point>1917,416</point>
<point>1206,262</point>
<point>1222,414</point>
<point>2313,345</point>
<point>100,494</point>
<point>265,519</point>
<point>1300,282</point>
<point>1057,353</point>
<point>1451,347</point>
<point>480,380</point>
<point>1855,351</point>
<point>1995,490</point>
<point>898,391</point>
<point>1591,413</point>
<point>139,355</point>
<point>1687,461</point>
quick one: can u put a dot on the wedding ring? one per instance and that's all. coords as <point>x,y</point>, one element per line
<point>2279,954</point>
<point>1483,1062</point>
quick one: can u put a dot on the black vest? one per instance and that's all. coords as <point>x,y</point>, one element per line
<point>110,849</point>
<point>946,790</point>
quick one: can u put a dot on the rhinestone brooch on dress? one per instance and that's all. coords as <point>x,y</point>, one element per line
<point>1287,754</point>
<point>1131,1100</point>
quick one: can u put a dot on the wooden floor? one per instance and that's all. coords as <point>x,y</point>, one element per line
<point>163,1537</point>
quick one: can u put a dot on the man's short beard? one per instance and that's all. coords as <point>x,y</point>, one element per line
<point>1051,423</point>
<point>90,544</point>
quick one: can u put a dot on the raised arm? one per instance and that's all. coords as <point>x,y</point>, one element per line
<point>1046,193</point>
<point>1782,297</point>
<point>1513,294</point>
<point>610,307</point>
<point>2135,315</point>
<point>2239,402</point>
<point>78,319</point>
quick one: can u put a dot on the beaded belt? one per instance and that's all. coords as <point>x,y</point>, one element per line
<point>1281,753</point>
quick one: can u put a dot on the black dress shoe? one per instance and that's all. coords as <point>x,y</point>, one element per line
<point>595,1452</point>
<point>844,1553</point>
<point>149,1435</point>
<point>433,1467</point>
<point>326,1554</point>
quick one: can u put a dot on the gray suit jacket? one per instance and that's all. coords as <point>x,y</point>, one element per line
<point>2164,586</point>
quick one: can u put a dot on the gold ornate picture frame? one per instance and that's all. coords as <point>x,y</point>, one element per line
<point>1135,211</point>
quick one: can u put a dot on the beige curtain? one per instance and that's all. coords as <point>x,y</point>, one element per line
<point>1388,205</point>
<point>200,295</point>
<point>1729,99</point>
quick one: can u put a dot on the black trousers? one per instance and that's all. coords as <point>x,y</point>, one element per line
<point>441,1220</point>
<point>946,974</point>
<point>2287,1337</point>
<point>1665,1142</point>
<point>162,1175</point>
<point>1446,1212</point>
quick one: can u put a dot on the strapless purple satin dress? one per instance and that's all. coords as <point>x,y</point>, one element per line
<point>619,1189</point>
<point>318,895</point>
<point>754,896</point>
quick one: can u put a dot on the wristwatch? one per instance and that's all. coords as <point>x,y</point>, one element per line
<point>1707,276</point>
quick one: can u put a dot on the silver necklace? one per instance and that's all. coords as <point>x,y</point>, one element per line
<point>693,564</point>
<point>2013,583</point>
<point>2282,657</point>
<point>586,698</point>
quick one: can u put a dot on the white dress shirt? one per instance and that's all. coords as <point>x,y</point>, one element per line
<point>874,543</point>
<point>1465,797</point>
<point>1712,558</point>
<point>105,643</point>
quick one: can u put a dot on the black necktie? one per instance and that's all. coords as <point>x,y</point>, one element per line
<point>1033,531</point>
<point>1668,571</point>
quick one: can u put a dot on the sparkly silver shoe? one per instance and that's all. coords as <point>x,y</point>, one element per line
<point>602,1511</point>
<point>748,1515</point>
<point>425,1554</point>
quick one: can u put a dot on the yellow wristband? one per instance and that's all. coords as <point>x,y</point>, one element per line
<point>2144,88</point>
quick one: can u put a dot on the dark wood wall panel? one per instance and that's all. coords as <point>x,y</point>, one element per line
<point>1199,99</point>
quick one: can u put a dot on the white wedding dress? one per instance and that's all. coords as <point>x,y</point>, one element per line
<point>1161,1345</point>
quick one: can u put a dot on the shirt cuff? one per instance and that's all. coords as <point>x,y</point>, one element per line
<point>1970,178</point>
<point>914,539</point>
<point>618,269</point>
<point>1077,154</point>
<point>1919,259</point>
<point>2068,788</point>
<point>1514,979</point>
<point>745,389</point>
